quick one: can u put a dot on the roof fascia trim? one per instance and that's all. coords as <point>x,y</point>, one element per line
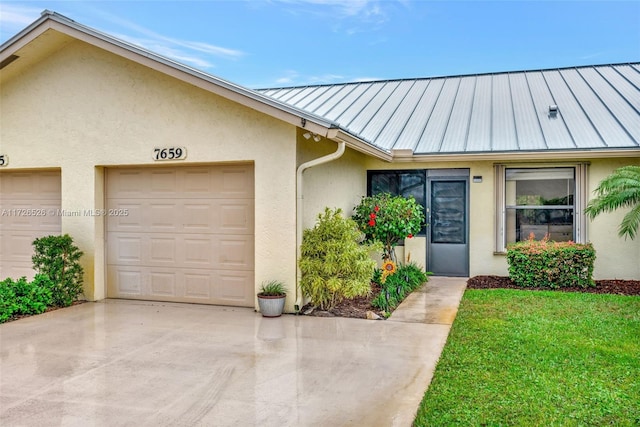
<point>361,146</point>
<point>523,155</point>
<point>244,96</point>
<point>24,37</point>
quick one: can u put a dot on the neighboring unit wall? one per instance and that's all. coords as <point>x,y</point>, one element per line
<point>83,110</point>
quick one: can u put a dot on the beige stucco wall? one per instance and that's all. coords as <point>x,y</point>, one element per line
<point>615,256</point>
<point>337,184</point>
<point>84,109</point>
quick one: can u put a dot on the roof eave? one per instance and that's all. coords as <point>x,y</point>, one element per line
<point>226,89</point>
<point>361,145</point>
<point>523,155</point>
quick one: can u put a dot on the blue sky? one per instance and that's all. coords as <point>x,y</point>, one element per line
<point>273,43</point>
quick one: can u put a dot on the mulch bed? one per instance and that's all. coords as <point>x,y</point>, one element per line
<point>358,307</point>
<point>618,287</point>
<point>354,307</point>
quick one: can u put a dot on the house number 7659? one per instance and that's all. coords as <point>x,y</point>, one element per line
<point>170,153</point>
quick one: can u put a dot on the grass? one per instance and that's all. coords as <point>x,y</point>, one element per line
<point>538,358</point>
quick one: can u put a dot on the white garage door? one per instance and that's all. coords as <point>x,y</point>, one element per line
<point>29,208</point>
<point>181,234</point>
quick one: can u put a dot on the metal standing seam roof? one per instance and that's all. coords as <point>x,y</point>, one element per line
<point>598,107</point>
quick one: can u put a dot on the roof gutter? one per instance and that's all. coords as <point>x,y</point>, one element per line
<point>518,155</point>
<point>300,207</point>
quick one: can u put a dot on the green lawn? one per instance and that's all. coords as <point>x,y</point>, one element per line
<point>538,358</point>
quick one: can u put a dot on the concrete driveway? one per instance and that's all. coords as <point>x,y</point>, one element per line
<point>120,363</point>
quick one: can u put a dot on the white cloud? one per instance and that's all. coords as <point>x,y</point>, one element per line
<point>364,79</point>
<point>294,78</point>
<point>343,8</point>
<point>347,16</point>
<point>325,79</point>
<point>194,53</point>
<point>168,51</point>
<point>14,18</point>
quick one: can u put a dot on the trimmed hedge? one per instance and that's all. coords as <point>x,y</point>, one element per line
<point>21,297</point>
<point>551,264</point>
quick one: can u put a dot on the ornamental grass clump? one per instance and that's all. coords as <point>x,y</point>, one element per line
<point>388,219</point>
<point>550,264</point>
<point>333,263</point>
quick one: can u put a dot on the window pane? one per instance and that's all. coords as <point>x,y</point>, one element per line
<point>412,185</point>
<point>399,183</point>
<point>539,202</point>
<point>557,223</point>
<point>448,212</point>
<point>383,183</point>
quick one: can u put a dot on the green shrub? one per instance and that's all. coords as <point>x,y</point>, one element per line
<point>551,264</point>
<point>388,219</point>
<point>397,286</point>
<point>21,297</point>
<point>59,258</point>
<point>8,305</point>
<point>333,263</point>
<point>32,297</point>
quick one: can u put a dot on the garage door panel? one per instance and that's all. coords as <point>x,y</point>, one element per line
<point>183,216</point>
<point>236,218</point>
<point>229,181</point>
<point>163,284</point>
<point>235,253</point>
<point>23,185</point>
<point>133,220</point>
<point>233,287</point>
<point>163,217</point>
<point>188,235</point>
<point>236,183</point>
<point>183,250</point>
<point>17,247</point>
<point>29,206</point>
<point>197,252</point>
<point>184,285</point>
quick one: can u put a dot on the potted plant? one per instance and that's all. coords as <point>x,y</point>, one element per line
<point>271,298</point>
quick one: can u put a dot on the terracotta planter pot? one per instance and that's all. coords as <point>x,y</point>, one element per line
<point>271,306</point>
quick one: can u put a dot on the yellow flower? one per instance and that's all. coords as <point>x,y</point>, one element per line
<point>388,268</point>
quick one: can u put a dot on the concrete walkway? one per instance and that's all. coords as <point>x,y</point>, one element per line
<point>126,363</point>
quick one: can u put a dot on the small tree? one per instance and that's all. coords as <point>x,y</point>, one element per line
<point>621,189</point>
<point>333,263</point>
<point>388,219</point>
<point>59,259</point>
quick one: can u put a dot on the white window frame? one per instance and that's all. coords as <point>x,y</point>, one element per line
<point>580,200</point>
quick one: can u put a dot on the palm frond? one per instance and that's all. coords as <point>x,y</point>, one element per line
<point>621,189</point>
<point>630,223</point>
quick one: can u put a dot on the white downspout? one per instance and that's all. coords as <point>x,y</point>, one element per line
<point>299,207</point>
